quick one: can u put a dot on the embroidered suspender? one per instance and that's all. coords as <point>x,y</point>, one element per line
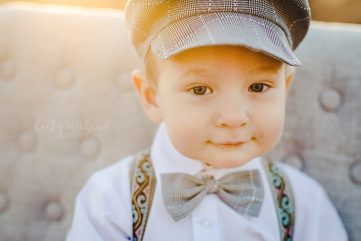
<point>142,180</point>
<point>283,199</point>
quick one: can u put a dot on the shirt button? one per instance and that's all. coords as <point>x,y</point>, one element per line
<point>205,223</point>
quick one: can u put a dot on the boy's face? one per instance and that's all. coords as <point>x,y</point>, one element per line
<point>222,105</point>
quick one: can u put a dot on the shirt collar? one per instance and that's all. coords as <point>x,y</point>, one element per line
<point>167,159</point>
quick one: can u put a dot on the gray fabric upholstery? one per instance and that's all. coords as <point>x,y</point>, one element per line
<point>67,108</point>
<point>323,127</point>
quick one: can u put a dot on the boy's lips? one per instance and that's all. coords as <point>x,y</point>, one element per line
<point>229,143</point>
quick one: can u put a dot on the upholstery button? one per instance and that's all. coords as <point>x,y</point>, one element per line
<point>296,161</point>
<point>54,211</point>
<point>205,223</point>
<point>27,141</point>
<point>65,78</point>
<point>90,147</point>
<point>355,172</point>
<point>7,69</point>
<point>330,100</point>
<point>4,202</point>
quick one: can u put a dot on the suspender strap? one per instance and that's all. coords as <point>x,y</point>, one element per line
<point>142,180</point>
<point>283,200</point>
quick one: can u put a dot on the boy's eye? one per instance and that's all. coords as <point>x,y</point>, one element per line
<point>201,90</point>
<point>258,87</point>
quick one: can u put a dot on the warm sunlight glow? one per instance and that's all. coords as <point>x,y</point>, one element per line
<point>117,4</point>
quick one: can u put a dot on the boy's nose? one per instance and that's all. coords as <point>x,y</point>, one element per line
<point>232,116</point>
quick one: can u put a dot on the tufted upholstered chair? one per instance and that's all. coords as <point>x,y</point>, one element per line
<point>67,109</point>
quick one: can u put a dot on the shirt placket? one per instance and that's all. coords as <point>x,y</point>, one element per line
<point>205,220</point>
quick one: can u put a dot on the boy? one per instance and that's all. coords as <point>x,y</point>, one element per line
<point>216,78</point>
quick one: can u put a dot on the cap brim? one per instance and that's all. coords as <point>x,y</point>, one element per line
<point>225,28</point>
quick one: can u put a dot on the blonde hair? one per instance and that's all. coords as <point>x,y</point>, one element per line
<point>151,71</point>
<point>289,69</point>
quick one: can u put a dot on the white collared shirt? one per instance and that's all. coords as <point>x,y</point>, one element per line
<point>103,207</point>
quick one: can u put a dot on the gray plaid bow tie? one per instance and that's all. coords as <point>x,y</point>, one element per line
<point>242,191</point>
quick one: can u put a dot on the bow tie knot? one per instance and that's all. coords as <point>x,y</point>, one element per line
<point>212,185</point>
<point>242,191</point>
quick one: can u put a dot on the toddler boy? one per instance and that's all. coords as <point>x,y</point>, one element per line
<point>216,78</point>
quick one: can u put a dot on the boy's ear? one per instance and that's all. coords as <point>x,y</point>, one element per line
<point>290,74</point>
<point>147,94</point>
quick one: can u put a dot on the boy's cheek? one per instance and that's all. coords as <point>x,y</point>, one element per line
<point>270,130</point>
<point>184,140</point>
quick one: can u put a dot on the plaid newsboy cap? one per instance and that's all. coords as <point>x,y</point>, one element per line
<point>168,27</point>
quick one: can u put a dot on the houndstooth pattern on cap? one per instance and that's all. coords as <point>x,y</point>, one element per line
<point>285,21</point>
<point>242,191</point>
<point>249,31</point>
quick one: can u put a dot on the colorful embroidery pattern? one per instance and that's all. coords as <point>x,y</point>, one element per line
<point>143,184</point>
<point>284,201</point>
<point>142,179</point>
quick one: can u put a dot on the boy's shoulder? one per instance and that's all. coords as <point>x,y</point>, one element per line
<point>309,195</point>
<point>104,202</point>
<point>313,207</point>
<point>109,175</point>
<point>109,182</point>
<point>302,184</point>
